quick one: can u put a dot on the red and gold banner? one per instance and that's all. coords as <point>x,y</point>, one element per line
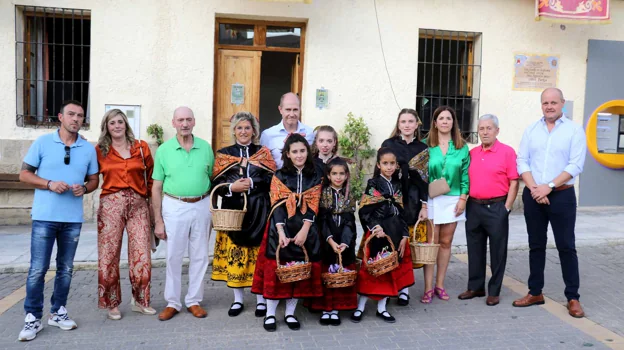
<point>573,11</point>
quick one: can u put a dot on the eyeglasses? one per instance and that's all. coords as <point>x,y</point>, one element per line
<point>67,158</point>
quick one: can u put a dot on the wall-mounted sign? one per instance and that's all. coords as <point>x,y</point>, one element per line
<point>321,98</point>
<point>535,72</point>
<point>238,94</point>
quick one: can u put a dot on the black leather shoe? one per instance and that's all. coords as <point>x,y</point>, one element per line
<point>403,302</point>
<point>355,318</point>
<point>235,312</point>
<point>293,325</point>
<point>335,321</point>
<point>325,321</point>
<point>386,316</point>
<point>261,312</point>
<point>270,327</point>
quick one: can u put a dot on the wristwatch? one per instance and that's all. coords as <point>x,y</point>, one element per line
<point>551,185</point>
<point>85,188</point>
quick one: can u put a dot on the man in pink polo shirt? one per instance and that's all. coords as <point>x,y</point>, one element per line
<point>493,189</point>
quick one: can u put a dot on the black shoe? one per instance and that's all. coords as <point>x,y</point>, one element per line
<point>235,312</point>
<point>325,321</point>
<point>293,325</point>
<point>389,318</point>
<point>403,302</point>
<point>356,318</point>
<point>261,312</point>
<point>270,327</point>
<point>334,321</point>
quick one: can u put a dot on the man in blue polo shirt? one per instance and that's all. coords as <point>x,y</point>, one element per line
<point>274,137</point>
<point>57,164</point>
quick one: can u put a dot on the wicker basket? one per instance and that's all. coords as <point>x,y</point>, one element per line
<point>339,279</point>
<point>289,274</point>
<point>380,266</point>
<point>227,219</point>
<point>424,253</point>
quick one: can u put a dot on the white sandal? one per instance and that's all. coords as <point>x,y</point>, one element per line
<point>140,309</point>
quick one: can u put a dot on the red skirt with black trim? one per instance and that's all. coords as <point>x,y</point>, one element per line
<point>343,299</point>
<point>389,284</point>
<point>265,280</point>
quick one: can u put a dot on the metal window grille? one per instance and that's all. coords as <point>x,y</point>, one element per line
<point>52,51</point>
<point>449,73</point>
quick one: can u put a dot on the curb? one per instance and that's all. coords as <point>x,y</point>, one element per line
<point>157,263</point>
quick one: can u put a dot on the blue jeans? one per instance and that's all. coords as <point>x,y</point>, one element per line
<point>44,234</point>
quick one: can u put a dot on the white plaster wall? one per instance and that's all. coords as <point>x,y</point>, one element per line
<point>160,54</point>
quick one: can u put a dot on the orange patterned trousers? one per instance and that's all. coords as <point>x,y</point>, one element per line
<point>123,209</point>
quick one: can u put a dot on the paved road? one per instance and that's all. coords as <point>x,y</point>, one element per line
<point>442,325</point>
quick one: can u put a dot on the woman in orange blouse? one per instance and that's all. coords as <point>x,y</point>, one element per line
<point>123,205</point>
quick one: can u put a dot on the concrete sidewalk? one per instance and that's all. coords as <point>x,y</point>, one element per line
<point>594,227</point>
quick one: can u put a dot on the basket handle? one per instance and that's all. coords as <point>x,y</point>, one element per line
<point>305,253</point>
<point>340,267</point>
<point>366,251</point>
<point>412,236</point>
<point>227,184</point>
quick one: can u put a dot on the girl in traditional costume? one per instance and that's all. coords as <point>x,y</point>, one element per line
<point>337,227</point>
<point>247,168</point>
<point>413,159</point>
<point>295,194</point>
<point>382,215</point>
<point>325,146</point>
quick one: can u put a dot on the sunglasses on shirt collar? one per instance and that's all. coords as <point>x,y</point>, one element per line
<point>67,158</point>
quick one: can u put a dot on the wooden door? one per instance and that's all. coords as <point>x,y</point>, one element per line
<point>235,67</point>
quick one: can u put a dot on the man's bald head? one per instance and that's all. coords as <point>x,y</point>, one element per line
<point>553,90</point>
<point>289,97</point>
<point>183,111</point>
<point>183,121</point>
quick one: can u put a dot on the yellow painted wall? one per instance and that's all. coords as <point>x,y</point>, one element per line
<point>160,54</point>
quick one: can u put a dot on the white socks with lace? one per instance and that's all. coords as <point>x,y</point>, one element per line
<point>361,304</point>
<point>291,304</point>
<point>404,296</point>
<point>271,308</point>
<point>381,305</point>
<point>238,297</point>
<point>260,300</point>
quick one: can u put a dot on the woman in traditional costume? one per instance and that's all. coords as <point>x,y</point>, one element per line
<point>248,169</point>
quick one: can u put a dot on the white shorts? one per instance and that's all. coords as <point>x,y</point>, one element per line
<point>441,210</point>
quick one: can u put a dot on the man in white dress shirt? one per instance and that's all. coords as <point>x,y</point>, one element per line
<point>273,138</point>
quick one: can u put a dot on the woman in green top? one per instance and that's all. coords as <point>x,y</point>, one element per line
<point>448,159</point>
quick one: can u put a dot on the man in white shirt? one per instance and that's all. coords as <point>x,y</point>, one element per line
<point>274,137</point>
<point>551,156</point>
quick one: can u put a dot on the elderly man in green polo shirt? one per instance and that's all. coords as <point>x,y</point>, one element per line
<point>180,197</point>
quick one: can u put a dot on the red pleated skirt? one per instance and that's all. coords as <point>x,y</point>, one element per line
<point>265,280</point>
<point>335,298</point>
<point>388,284</point>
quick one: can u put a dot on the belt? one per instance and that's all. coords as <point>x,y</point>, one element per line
<point>563,187</point>
<point>189,199</point>
<point>488,201</point>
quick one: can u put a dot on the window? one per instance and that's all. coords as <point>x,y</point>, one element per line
<point>449,73</point>
<point>52,62</point>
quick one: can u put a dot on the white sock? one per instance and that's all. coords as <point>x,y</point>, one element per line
<point>334,314</point>
<point>362,303</point>
<point>238,297</point>
<point>326,315</point>
<point>291,304</point>
<point>381,305</point>
<point>271,308</point>
<point>260,300</point>
<point>404,290</point>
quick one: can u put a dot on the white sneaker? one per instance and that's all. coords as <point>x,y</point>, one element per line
<point>32,326</point>
<point>61,319</point>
